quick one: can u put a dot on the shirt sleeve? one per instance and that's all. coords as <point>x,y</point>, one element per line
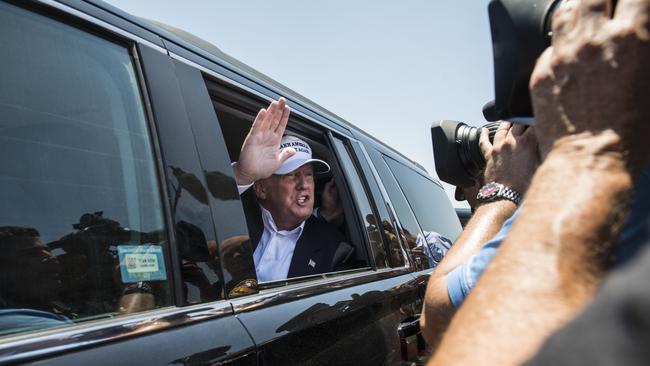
<point>463,278</point>
<point>241,188</point>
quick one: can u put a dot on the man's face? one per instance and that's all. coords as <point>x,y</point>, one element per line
<point>289,198</point>
<point>33,264</point>
<point>469,194</point>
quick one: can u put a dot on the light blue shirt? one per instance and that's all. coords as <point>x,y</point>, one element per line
<point>462,279</point>
<point>435,246</point>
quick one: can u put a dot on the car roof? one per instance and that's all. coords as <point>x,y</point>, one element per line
<point>208,50</point>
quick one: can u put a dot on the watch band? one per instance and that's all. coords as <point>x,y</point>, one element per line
<point>494,191</point>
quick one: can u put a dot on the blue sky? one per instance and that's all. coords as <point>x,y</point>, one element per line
<point>388,67</point>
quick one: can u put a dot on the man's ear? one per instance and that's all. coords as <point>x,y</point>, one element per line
<point>260,190</point>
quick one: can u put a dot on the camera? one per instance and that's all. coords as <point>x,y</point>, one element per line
<point>458,158</point>
<point>521,30</point>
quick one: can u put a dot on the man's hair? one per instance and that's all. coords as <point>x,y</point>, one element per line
<point>8,232</point>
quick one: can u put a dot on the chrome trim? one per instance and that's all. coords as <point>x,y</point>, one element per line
<point>25,346</point>
<point>101,23</point>
<point>250,90</point>
<point>389,203</point>
<point>281,295</point>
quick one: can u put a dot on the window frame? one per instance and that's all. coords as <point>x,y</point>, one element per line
<point>383,198</point>
<point>72,18</point>
<point>20,347</point>
<point>244,101</point>
<point>385,160</point>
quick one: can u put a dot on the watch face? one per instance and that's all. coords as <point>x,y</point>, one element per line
<point>488,191</point>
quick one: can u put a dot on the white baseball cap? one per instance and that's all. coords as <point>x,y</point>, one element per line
<point>300,158</point>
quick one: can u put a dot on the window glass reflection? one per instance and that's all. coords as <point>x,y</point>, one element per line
<point>81,223</point>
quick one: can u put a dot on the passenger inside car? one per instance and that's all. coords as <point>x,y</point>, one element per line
<point>290,241</point>
<point>47,285</point>
<point>29,299</point>
<point>295,219</point>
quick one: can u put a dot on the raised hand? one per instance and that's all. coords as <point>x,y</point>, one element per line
<point>260,153</point>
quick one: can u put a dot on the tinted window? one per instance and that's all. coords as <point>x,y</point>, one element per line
<point>369,218</point>
<point>428,201</point>
<point>81,225</point>
<point>411,235</point>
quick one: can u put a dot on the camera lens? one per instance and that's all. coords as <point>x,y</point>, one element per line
<point>469,151</point>
<point>457,154</point>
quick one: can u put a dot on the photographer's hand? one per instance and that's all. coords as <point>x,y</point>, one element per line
<point>590,82</point>
<point>589,93</point>
<point>513,156</point>
<point>511,160</point>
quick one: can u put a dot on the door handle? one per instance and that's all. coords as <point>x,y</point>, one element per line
<point>410,339</point>
<point>409,328</point>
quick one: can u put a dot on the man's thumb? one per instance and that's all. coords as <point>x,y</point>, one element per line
<point>286,153</point>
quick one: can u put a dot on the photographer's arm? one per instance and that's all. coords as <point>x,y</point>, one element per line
<point>551,263</point>
<point>511,160</point>
<point>438,309</point>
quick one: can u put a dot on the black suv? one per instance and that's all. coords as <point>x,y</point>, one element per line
<point>124,239</point>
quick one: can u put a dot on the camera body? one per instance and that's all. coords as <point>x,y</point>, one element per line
<point>521,30</point>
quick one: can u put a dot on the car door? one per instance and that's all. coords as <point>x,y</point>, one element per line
<point>107,226</point>
<point>343,319</point>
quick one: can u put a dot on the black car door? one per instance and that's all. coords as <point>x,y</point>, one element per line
<point>343,319</point>
<point>107,229</point>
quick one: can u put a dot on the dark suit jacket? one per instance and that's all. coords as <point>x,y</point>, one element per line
<point>321,248</point>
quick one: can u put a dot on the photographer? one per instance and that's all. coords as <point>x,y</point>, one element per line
<point>511,160</point>
<point>552,262</point>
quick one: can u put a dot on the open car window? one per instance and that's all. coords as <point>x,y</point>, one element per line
<point>236,113</point>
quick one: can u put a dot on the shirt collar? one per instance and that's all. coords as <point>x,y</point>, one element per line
<point>269,224</point>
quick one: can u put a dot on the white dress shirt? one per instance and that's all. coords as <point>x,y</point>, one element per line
<point>274,252</point>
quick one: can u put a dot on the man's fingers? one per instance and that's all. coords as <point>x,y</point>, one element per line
<point>635,13</point>
<point>258,123</point>
<point>284,118</point>
<point>502,132</point>
<point>594,14</point>
<point>565,20</point>
<point>484,143</point>
<point>271,116</point>
<point>596,9</point>
<point>274,120</point>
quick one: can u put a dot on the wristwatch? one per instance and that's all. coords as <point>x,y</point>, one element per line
<point>494,191</point>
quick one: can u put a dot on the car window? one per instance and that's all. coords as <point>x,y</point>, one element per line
<point>324,244</point>
<point>411,232</point>
<point>81,225</point>
<point>429,203</point>
<point>372,226</point>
